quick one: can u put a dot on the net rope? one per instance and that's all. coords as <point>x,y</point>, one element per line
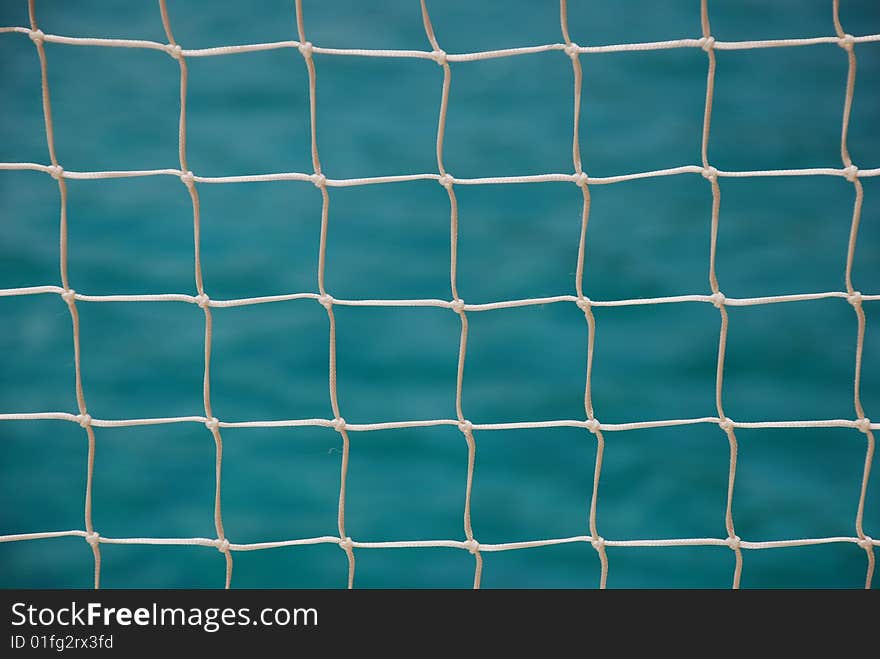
<point>590,422</point>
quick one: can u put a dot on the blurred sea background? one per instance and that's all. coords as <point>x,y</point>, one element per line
<point>117,108</point>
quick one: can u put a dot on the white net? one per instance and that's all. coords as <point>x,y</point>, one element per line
<point>589,422</point>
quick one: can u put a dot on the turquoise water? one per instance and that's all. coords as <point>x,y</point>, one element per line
<point>117,109</point>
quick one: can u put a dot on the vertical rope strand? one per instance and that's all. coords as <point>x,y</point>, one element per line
<point>187,178</point>
<point>458,304</point>
<point>853,296</point>
<point>68,295</point>
<point>711,174</point>
<point>583,302</point>
<point>326,300</point>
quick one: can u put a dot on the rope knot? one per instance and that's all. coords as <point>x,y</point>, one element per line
<point>726,424</point>
<point>866,542</point>
<point>69,296</point>
<point>338,424</point>
<point>93,538</point>
<point>188,179</point>
<point>319,180</point>
<point>598,543</point>
<point>457,305</point>
<point>718,299</point>
<point>84,420</point>
<point>465,426</point>
<point>472,545</point>
<point>593,425</point>
<point>212,424</point>
<point>572,50</point>
<point>306,49</point>
<point>847,41</point>
<point>707,43</point>
<point>580,179</point>
<point>325,301</point>
<point>222,545</point>
<point>733,542</point>
<point>439,56</point>
<point>445,181</point>
<point>174,50</point>
<point>36,36</point>
<point>346,544</point>
<point>710,173</point>
<point>851,173</point>
<point>584,304</point>
<point>854,298</point>
<point>864,424</point>
<point>202,300</point>
<point>56,172</point>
